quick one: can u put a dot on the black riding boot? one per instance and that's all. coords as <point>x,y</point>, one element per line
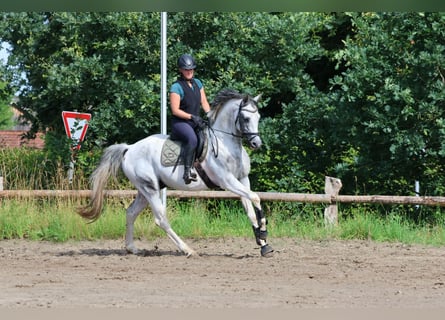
<point>189,155</point>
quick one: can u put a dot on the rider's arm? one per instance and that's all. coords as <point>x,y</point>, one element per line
<point>175,100</point>
<point>204,103</point>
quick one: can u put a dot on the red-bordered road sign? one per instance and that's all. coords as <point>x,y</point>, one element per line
<point>76,125</point>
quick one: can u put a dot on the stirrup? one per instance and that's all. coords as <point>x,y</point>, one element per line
<point>190,178</point>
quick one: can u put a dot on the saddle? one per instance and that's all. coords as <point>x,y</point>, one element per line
<point>171,156</point>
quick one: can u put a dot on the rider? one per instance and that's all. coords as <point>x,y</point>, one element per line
<point>187,95</point>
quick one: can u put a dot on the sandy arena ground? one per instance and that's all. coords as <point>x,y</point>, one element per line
<point>229,273</point>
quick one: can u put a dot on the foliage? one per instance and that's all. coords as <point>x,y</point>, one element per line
<point>390,102</point>
<point>378,123</point>
<point>29,169</point>
<point>98,62</point>
<point>5,110</point>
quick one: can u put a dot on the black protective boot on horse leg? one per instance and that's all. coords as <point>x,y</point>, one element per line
<point>189,157</point>
<point>261,233</point>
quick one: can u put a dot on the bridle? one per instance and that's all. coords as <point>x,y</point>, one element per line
<point>249,136</point>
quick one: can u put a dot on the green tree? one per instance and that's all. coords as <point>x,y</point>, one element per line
<point>390,103</point>
<point>104,63</point>
<point>299,137</point>
<point>376,119</point>
<point>5,110</point>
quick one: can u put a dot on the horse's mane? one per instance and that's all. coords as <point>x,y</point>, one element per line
<point>220,99</point>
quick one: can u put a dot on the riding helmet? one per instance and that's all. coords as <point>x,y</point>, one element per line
<point>186,62</point>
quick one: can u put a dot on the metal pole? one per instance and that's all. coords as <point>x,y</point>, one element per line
<point>164,85</point>
<point>71,170</point>
<point>164,72</point>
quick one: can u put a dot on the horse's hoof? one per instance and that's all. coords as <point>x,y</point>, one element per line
<point>266,251</point>
<point>132,249</point>
<point>192,254</point>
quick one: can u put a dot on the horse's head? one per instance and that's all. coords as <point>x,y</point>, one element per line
<point>231,109</point>
<point>248,119</point>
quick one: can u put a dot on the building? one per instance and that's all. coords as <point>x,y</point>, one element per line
<point>15,138</point>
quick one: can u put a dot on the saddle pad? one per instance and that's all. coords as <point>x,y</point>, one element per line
<point>170,153</point>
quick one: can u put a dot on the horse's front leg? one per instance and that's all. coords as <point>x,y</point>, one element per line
<point>252,205</point>
<point>259,226</point>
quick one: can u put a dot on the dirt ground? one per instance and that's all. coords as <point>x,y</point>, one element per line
<point>229,273</point>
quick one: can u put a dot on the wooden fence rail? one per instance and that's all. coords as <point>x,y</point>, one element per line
<point>331,197</point>
<point>265,196</point>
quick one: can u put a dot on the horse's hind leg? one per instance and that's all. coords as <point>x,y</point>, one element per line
<point>161,220</point>
<point>133,212</point>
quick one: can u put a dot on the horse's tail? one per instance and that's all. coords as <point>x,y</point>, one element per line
<point>109,165</point>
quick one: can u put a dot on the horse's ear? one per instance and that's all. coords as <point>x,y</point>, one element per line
<point>257,98</point>
<point>245,99</point>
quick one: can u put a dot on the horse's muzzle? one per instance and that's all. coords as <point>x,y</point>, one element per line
<point>255,142</point>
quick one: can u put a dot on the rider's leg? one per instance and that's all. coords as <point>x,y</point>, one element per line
<point>183,131</point>
<point>189,155</point>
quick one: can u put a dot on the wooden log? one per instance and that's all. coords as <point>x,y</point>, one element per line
<point>265,196</point>
<point>411,200</point>
<point>44,193</point>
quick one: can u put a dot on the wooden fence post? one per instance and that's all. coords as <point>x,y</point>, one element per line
<point>332,187</point>
<point>1,183</point>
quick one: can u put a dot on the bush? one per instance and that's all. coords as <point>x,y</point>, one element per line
<point>33,169</point>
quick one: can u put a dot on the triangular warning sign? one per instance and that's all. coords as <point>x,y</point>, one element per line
<point>76,125</point>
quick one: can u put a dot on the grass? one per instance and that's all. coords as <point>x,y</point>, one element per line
<point>56,220</point>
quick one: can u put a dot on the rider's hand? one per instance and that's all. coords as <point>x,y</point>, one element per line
<point>198,121</point>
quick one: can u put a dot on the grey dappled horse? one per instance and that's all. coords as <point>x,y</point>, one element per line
<point>233,117</point>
